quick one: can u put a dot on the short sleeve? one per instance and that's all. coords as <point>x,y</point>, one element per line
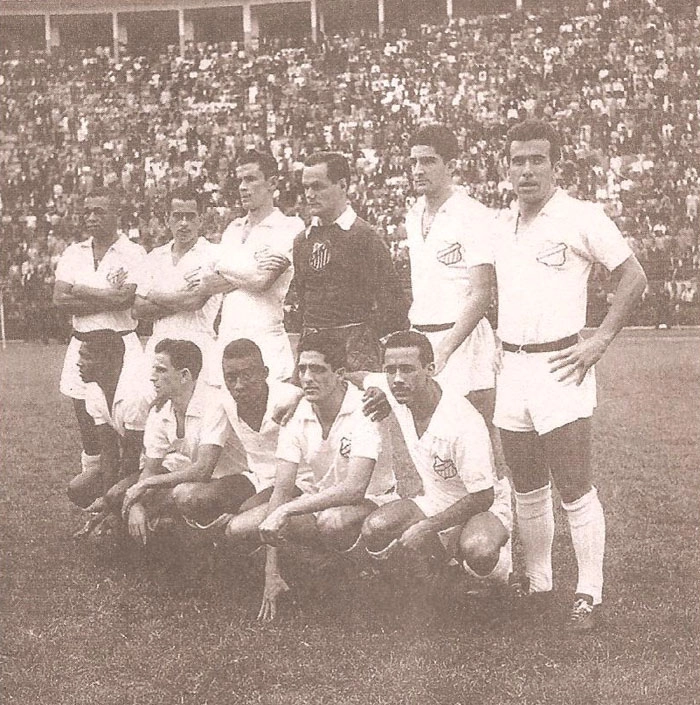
<point>67,266</point>
<point>136,408</point>
<point>602,238</point>
<point>477,236</point>
<point>473,455</point>
<point>296,226</point>
<point>155,440</point>
<point>216,429</point>
<point>365,438</point>
<point>144,276</point>
<point>288,443</point>
<point>135,262</point>
<point>95,404</point>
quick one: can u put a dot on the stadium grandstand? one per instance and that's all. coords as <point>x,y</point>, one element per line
<point>146,96</point>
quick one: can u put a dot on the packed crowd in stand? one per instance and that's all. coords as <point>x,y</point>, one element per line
<point>620,83</point>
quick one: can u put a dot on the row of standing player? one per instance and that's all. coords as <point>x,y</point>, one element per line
<point>540,253</point>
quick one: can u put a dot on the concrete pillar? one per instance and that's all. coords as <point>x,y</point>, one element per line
<point>322,22</point>
<point>181,29</point>
<point>120,35</point>
<point>380,16</point>
<point>449,8</point>
<point>47,32</point>
<point>189,28</point>
<point>314,22</point>
<point>518,5</point>
<point>247,25</point>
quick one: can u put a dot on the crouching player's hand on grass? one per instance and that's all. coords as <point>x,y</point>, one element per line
<point>138,523</point>
<point>132,495</point>
<point>274,587</point>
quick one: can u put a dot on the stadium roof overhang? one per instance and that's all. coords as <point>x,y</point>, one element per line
<point>74,7</point>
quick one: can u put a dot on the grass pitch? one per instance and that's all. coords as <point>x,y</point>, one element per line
<point>110,624</point>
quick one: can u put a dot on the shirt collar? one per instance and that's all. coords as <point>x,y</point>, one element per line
<point>344,221</point>
<point>348,405</point>
<point>555,204</point>
<point>198,402</point>
<point>200,243</point>
<point>267,222</point>
<point>443,420</point>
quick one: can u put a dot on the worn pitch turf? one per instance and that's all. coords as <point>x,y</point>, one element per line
<point>111,625</point>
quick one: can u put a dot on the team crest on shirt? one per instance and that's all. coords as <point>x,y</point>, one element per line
<point>445,468</point>
<point>553,254</point>
<point>345,447</point>
<point>452,254</point>
<point>320,256</point>
<point>116,276</point>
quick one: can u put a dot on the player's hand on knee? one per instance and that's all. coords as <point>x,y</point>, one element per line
<point>416,536</point>
<point>375,404</point>
<point>132,495</point>
<point>272,527</point>
<point>275,586</point>
<point>573,362</point>
<point>138,524</point>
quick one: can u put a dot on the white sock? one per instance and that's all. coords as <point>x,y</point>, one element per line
<point>501,570</point>
<point>89,462</point>
<point>535,517</point>
<point>587,524</point>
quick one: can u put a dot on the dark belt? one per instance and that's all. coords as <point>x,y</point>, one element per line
<point>81,336</point>
<point>433,327</point>
<point>555,345</point>
<point>318,329</point>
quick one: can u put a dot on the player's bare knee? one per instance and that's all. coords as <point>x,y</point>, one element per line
<point>114,498</point>
<point>377,531</point>
<point>237,531</point>
<point>80,492</point>
<point>186,498</point>
<point>480,552</point>
<point>330,521</point>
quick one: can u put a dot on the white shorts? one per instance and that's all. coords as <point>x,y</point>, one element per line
<point>501,508</point>
<point>381,499</point>
<point>72,385</point>
<point>472,365</point>
<point>275,348</point>
<point>259,483</point>
<point>529,397</point>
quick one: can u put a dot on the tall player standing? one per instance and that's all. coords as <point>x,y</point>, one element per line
<point>163,294</point>
<point>254,268</point>
<point>95,283</point>
<point>450,238</point>
<point>546,388</point>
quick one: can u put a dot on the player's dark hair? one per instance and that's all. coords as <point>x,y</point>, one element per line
<point>105,192</point>
<point>265,161</point>
<point>108,344</point>
<point>337,166</point>
<point>535,130</point>
<point>333,352</point>
<point>242,348</point>
<point>183,354</point>
<point>411,339</point>
<point>185,193</point>
<point>439,138</point>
